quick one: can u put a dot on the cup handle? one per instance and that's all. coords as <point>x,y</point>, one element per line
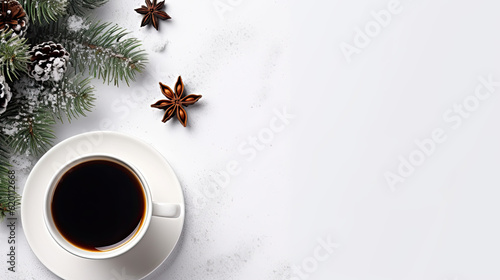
<point>166,210</point>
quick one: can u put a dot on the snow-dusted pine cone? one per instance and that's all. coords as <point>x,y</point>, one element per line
<point>5,95</point>
<point>48,62</point>
<point>13,17</point>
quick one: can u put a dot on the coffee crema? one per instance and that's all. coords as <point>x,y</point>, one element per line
<point>98,205</point>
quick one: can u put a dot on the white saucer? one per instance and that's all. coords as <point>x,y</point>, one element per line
<point>161,237</point>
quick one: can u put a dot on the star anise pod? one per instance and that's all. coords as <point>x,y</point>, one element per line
<point>175,102</point>
<point>152,13</point>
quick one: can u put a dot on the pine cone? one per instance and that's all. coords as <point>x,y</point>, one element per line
<point>13,17</point>
<point>5,95</point>
<point>48,62</point>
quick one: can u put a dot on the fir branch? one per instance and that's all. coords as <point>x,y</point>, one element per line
<point>13,55</point>
<point>29,130</point>
<point>102,51</point>
<point>99,48</point>
<point>45,11</point>
<point>35,135</point>
<point>80,7</point>
<point>70,98</point>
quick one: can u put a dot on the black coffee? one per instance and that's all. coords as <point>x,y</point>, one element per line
<point>98,205</point>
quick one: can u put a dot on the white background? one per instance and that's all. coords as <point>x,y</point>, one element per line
<point>322,176</point>
<point>357,118</point>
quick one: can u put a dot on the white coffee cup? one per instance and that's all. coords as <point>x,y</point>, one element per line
<point>165,210</point>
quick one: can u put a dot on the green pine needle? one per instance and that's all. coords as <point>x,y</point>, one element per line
<point>32,129</point>
<point>80,7</point>
<point>74,97</point>
<point>36,135</point>
<point>45,11</point>
<point>99,48</point>
<point>13,55</point>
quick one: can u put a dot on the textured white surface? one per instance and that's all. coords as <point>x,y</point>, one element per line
<point>352,122</point>
<point>240,64</point>
<point>442,222</point>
